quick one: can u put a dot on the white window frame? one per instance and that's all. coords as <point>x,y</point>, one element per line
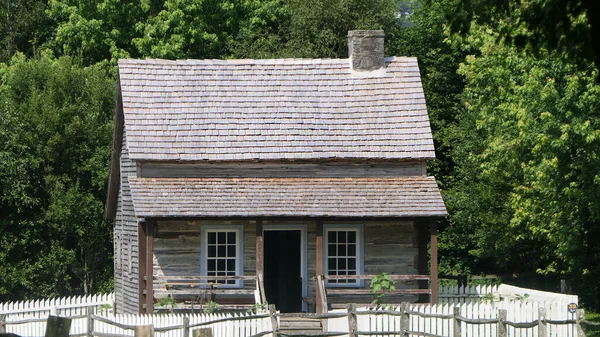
<point>239,229</point>
<point>359,229</point>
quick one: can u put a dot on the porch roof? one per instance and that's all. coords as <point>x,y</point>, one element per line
<point>286,197</point>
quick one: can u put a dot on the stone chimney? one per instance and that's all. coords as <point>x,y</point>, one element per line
<point>365,49</point>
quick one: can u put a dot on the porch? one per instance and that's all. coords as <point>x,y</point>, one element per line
<point>298,264</point>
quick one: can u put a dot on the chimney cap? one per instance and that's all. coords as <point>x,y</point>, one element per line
<point>366,33</point>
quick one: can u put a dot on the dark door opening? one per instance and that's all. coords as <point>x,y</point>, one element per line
<point>282,263</point>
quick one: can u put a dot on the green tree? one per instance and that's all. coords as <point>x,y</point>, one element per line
<point>528,197</point>
<point>55,131</point>
<point>24,26</point>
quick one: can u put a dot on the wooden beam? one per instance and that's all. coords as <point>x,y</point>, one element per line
<point>259,248</point>
<point>319,267</point>
<point>319,248</point>
<point>422,257</point>
<point>141,264</point>
<point>434,261</point>
<point>149,266</point>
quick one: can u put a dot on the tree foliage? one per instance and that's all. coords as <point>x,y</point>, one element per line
<point>529,145</point>
<point>55,131</point>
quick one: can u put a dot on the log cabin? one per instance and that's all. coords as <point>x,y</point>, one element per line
<point>282,181</point>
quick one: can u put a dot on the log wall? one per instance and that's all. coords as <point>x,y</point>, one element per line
<point>388,247</point>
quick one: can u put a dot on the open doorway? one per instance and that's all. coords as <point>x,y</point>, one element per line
<point>283,269</point>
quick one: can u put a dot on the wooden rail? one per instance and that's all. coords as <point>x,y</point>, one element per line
<point>323,292</point>
<point>209,286</point>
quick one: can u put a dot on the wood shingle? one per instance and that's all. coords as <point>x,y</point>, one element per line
<point>285,109</point>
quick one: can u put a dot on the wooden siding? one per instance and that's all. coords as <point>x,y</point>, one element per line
<point>389,246</point>
<point>177,248</point>
<point>281,170</point>
<point>125,236</point>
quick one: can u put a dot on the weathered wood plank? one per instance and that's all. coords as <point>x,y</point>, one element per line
<point>368,277</point>
<point>434,261</point>
<point>288,169</point>
<point>142,240</point>
<point>149,266</point>
<point>331,291</point>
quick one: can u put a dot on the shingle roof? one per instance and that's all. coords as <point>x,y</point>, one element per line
<point>299,197</point>
<point>273,109</point>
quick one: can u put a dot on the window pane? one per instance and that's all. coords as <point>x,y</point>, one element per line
<point>220,265</point>
<point>341,263</point>
<point>341,251</point>
<point>352,237</point>
<point>231,251</point>
<point>331,263</point>
<point>331,250</point>
<point>212,238</point>
<point>221,237</point>
<point>231,238</point>
<point>351,263</point>
<point>222,251</point>
<point>341,237</point>
<point>351,250</point>
<point>211,265</point>
<point>230,265</point>
<point>331,236</point>
<point>212,251</point>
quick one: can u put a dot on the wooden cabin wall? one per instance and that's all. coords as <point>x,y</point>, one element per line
<point>389,247</point>
<point>126,240</point>
<point>177,248</point>
<point>282,170</point>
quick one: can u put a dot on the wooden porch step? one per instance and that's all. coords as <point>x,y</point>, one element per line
<point>299,326</point>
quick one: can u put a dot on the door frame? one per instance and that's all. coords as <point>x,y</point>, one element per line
<point>303,253</point>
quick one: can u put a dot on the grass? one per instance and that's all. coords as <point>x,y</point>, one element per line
<point>592,331</point>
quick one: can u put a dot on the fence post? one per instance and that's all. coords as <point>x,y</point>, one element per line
<point>580,316</point>
<point>58,326</point>
<point>144,331</point>
<point>456,321</point>
<point>274,320</point>
<point>90,321</point>
<point>186,326</point>
<point>404,319</point>
<point>542,325</point>
<point>352,325</point>
<point>2,323</point>
<point>502,323</point>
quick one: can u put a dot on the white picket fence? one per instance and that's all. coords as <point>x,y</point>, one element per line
<point>75,307</point>
<point>437,325</point>
<point>92,315</point>
<point>165,325</point>
<point>61,306</point>
<point>503,292</point>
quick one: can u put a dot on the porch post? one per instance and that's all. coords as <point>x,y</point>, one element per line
<point>422,229</point>
<point>141,264</point>
<point>319,266</point>
<point>434,261</point>
<point>149,266</point>
<point>259,249</point>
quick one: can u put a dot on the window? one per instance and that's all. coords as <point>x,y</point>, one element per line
<point>343,251</point>
<point>221,254</point>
